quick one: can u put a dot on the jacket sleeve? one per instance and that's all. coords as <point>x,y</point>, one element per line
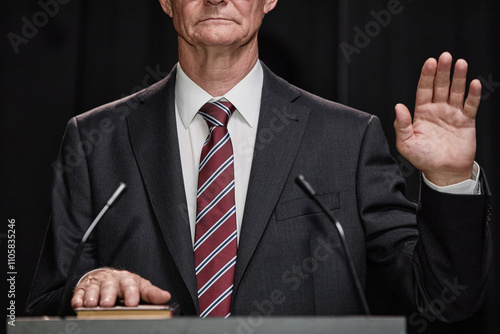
<point>72,214</point>
<point>441,266</point>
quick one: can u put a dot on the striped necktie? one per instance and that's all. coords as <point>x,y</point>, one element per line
<point>215,233</point>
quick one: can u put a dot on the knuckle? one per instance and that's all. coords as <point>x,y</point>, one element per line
<point>106,275</point>
<point>131,289</point>
<point>79,289</point>
<point>128,282</point>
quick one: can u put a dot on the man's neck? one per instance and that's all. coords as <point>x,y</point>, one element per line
<point>215,69</point>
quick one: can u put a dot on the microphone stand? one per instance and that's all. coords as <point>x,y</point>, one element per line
<point>79,249</point>
<point>306,187</point>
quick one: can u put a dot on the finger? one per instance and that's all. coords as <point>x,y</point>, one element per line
<point>473,99</point>
<point>425,89</point>
<point>152,294</point>
<point>129,287</point>
<point>442,82</point>
<point>457,91</point>
<point>403,123</point>
<point>77,300</point>
<point>109,293</point>
<point>91,296</point>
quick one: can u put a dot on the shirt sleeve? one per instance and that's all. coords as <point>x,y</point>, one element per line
<point>467,187</point>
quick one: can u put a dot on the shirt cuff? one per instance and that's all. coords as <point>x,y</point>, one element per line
<point>467,187</point>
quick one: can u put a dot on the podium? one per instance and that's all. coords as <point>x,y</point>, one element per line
<point>233,325</point>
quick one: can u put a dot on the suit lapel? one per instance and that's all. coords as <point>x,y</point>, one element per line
<point>153,136</point>
<point>280,130</point>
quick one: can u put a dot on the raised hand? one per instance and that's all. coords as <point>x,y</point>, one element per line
<point>104,286</point>
<point>441,140</point>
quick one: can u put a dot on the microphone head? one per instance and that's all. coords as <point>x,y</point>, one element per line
<point>117,193</point>
<point>305,186</point>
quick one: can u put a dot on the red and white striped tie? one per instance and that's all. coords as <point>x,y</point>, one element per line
<point>215,234</point>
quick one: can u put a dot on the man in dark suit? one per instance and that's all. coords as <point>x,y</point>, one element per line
<point>289,260</point>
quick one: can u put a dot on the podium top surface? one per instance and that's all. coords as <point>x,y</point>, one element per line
<point>233,325</point>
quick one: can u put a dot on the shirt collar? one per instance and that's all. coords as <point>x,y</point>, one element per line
<point>245,96</point>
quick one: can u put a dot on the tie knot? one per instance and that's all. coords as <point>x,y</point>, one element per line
<point>217,113</point>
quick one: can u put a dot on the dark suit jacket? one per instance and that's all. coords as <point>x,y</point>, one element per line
<point>290,261</point>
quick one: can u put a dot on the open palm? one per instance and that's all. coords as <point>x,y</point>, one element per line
<point>441,140</point>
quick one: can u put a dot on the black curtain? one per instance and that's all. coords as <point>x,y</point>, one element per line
<point>60,58</point>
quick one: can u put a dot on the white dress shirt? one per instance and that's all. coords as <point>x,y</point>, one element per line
<point>192,131</point>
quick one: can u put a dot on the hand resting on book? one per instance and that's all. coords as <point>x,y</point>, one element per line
<point>103,287</point>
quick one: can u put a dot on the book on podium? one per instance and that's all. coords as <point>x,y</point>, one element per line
<point>126,312</point>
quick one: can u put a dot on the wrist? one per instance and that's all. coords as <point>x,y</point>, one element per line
<point>443,179</point>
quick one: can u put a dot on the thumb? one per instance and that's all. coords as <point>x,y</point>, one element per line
<point>152,294</point>
<point>403,125</point>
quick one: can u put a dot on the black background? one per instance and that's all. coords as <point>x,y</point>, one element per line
<point>88,52</point>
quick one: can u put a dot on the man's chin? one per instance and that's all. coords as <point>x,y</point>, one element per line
<point>221,39</point>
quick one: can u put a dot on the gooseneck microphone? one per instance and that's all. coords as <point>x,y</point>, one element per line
<point>308,189</point>
<point>79,249</point>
